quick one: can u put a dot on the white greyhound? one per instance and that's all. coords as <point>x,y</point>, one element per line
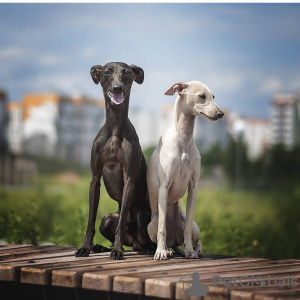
<point>175,166</point>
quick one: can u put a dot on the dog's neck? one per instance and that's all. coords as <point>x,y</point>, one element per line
<point>183,122</point>
<point>116,116</point>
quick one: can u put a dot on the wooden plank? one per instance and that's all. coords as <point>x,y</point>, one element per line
<point>142,276</point>
<point>262,293</point>
<point>208,282</point>
<point>43,255</point>
<point>23,251</point>
<point>59,266</point>
<point>263,297</point>
<point>217,293</point>
<point>103,279</point>
<point>276,290</point>
<point>10,271</point>
<point>6,247</point>
<point>72,269</point>
<point>15,251</point>
<point>241,295</point>
<point>73,277</point>
<point>206,273</point>
<point>41,274</point>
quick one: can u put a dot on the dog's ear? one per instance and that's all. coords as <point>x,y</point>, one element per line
<point>139,74</point>
<point>96,72</point>
<point>176,87</point>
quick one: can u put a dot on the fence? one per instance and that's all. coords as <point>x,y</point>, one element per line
<point>16,171</point>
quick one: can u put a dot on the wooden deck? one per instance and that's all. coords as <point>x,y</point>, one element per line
<point>53,272</point>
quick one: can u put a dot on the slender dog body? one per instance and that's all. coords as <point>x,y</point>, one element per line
<point>174,167</point>
<point>116,155</point>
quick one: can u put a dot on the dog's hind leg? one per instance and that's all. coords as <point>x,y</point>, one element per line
<point>152,228</point>
<point>196,240</point>
<point>108,226</point>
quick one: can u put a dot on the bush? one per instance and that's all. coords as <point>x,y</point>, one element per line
<point>232,222</point>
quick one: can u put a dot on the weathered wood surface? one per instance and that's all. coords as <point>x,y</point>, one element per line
<point>139,274</point>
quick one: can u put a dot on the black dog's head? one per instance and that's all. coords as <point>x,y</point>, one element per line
<point>116,79</point>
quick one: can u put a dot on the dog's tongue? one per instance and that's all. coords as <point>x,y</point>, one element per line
<point>117,98</point>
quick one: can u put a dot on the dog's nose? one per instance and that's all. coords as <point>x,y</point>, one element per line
<point>117,88</point>
<point>220,114</point>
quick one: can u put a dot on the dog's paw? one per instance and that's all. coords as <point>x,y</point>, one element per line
<point>191,254</point>
<point>162,254</point>
<point>169,253</point>
<point>199,251</point>
<point>116,254</point>
<point>82,252</point>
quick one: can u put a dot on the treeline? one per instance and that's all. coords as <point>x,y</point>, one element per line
<point>277,167</point>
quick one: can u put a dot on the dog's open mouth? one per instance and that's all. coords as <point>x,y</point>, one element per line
<point>116,98</point>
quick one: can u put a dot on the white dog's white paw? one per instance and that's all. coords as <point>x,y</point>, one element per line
<point>162,254</point>
<point>199,250</point>
<point>191,254</point>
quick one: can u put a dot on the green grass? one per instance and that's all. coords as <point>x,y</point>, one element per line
<point>244,223</point>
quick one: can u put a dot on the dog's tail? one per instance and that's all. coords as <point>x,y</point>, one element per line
<point>178,251</point>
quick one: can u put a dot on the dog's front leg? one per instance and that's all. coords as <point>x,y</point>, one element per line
<point>162,252</point>
<point>117,251</point>
<point>190,207</point>
<point>94,195</point>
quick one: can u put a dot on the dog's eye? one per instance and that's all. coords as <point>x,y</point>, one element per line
<point>106,73</point>
<point>202,98</point>
<point>127,72</point>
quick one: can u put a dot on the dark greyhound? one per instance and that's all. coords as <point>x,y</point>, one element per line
<point>117,156</point>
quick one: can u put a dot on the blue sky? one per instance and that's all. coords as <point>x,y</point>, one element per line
<point>243,52</point>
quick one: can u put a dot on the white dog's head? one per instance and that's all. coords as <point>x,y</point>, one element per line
<point>198,98</point>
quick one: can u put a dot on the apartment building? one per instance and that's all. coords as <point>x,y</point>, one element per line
<point>15,126</point>
<point>254,132</point>
<point>256,136</point>
<point>78,122</point>
<point>3,122</point>
<point>284,118</point>
<point>150,125</point>
<point>55,125</point>
<point>208,133</point>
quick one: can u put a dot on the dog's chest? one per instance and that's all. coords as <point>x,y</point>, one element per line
<point>113,151</point>
<point>185,165</point>
<point>181,177</point>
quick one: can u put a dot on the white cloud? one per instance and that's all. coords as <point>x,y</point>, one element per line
<point>294,83</point>
<point>89,52</point>
<point>270,85</point>
<point>13,52</point>
<point>50,59</point>
<point>226,80</point>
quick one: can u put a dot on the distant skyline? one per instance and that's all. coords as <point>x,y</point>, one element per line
<point>245,53</point>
